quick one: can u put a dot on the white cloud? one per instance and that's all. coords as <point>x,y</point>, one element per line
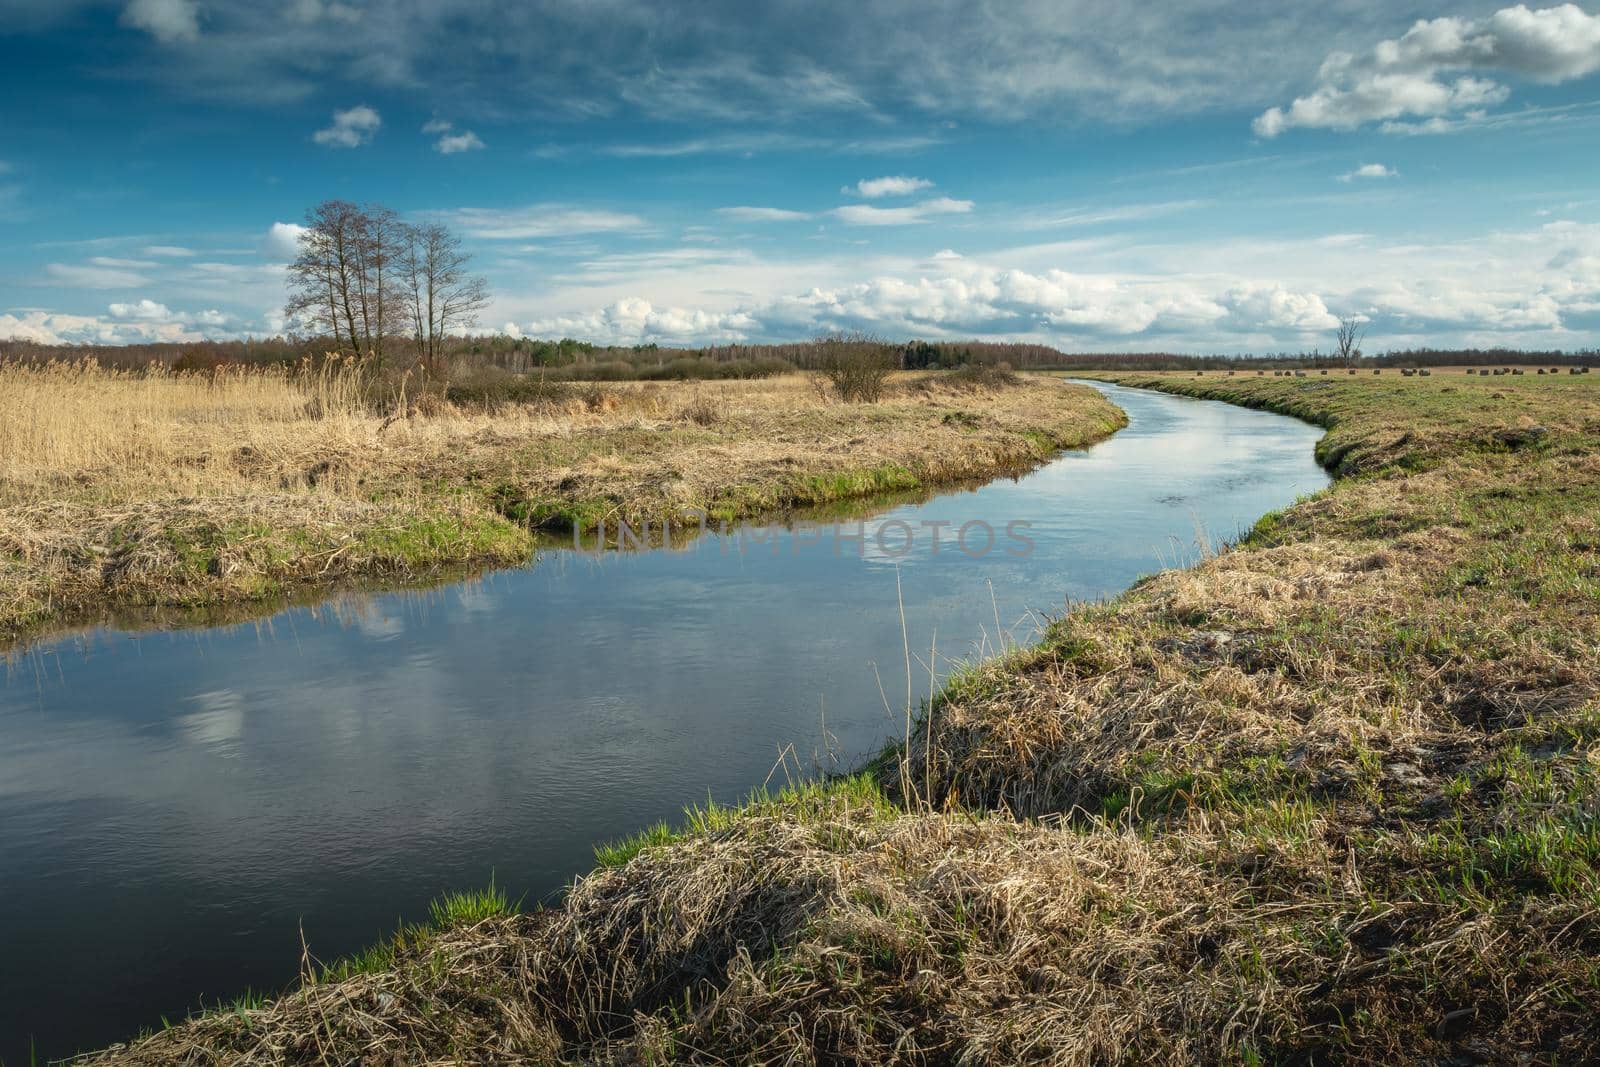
<point>126,264</point>
<point>168,251</point>
<point>282,241</point>
<point>168,21</point>
<point>693,260</point>
<point>762,214</point>
<point>747,145</point>
<point>437,125</point>
<point>451,143</point>
<point>1274,308</point>
<point>1426,74</point>
<point>540,220</point>
<point>351,128</point>
<point>893,185</point>
<point>1369,171</point>
<point>309,11</point>
<point>79,276</point>
<point>1101,216</point>
<point>146,309</point>
<point>145,321</point>
<point>868,215</point>
<point>636,321</point>
<point>969,299</point>
<point>1530,288</point>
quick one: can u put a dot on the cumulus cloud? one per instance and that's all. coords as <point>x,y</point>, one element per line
<point>762,214</point>
<point>143,321</point>
<point>451,143</point>
<point>350,128</point>
<point>869,215</point>
<point>1429,76</point>
<point>893,185</point>
<point>635,320</point>
<point>282,241</point>
<point>1273,308</point>
<point>168,21</point>
<point>1369,171</point>
<point>146,309</point>
<point>1532,287</point>
<point>968,298</point>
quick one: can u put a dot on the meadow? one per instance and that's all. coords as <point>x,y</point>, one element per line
<point>158,487</point>
<point>1328,796</point>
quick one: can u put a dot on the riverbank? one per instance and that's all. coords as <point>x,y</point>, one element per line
<point>1328,796</point>
<point>121,490</point>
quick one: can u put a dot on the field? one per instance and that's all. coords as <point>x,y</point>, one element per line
<point>121,487</point>
<point>1327,797</point>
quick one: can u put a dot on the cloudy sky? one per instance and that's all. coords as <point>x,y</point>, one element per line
<point>1201,175</point>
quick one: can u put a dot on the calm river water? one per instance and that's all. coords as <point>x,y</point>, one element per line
<point>176,806</point>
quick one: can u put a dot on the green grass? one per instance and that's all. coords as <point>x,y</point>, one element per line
<point>471,907</point>
<point>813,803</point>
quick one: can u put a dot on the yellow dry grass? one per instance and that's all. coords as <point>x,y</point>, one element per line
<point>163,488</point>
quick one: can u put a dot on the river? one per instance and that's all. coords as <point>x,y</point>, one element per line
<point>177,805</point>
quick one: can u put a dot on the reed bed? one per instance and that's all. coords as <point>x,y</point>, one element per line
<point>155,487</point>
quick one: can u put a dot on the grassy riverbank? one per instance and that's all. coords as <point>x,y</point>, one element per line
<point>1327,797</point>
<point>121,488</point>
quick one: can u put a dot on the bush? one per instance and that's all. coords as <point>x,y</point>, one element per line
<point>855,366</point>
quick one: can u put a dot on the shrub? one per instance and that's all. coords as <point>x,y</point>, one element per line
<point>855,366</point>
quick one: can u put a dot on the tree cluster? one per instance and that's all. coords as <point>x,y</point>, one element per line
<point>364,277</point>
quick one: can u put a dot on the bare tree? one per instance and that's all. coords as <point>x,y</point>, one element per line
<point>363,276</point>
<point>441,296</point>
<point>343,280</point>
<point>378,252</point>
<point>323,287</point>
<point>1351,330</point>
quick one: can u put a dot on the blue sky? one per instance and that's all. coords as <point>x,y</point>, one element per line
<point>1199,175</point>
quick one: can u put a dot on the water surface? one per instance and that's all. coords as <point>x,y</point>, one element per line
<point>176,806</point>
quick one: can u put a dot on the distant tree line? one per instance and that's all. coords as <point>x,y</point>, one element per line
<point>583,360</point>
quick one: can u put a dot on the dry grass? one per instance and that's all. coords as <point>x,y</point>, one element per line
<point>162,488</point>
<point>1329,797</point>
<point>831,932</point>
